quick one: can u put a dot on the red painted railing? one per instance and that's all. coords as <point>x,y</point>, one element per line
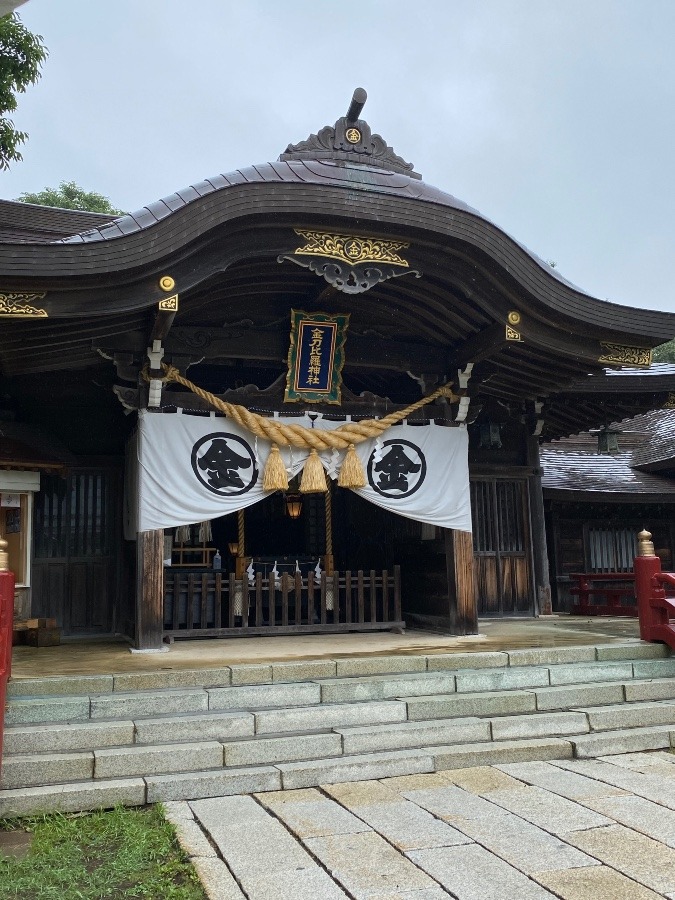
<point>655,591</point>
<point>6,621</point>
<point>603,594</point>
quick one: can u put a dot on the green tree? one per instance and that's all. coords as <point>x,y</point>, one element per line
<point>664,353</point>
<point>69,195</point>
<point>21,55</point>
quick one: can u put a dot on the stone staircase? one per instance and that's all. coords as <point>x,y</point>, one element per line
<point>83,742</point>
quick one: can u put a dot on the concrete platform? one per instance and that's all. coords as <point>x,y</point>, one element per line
<point>109,657</point>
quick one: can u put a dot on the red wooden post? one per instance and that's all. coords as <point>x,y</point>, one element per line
<point>6,621</point>
<point>654,609</point>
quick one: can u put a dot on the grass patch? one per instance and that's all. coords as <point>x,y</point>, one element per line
<point>89,856</point>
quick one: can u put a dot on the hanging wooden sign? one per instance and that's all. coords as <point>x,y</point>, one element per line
<point>315,357</point>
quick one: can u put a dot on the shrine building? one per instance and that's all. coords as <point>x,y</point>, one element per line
<point>304,396</point>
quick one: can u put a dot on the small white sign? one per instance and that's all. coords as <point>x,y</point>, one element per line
<point>10,501</point>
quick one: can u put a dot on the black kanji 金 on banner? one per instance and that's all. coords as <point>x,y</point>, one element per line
<point>316,357</point>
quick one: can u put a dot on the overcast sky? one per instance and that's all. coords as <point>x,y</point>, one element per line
<point>554,118</point>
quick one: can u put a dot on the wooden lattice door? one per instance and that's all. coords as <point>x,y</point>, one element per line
<point>502,558</point>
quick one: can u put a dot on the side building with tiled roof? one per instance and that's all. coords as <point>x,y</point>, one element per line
<point>597,502</point>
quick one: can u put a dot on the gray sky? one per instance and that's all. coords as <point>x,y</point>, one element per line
<point>554,118</point>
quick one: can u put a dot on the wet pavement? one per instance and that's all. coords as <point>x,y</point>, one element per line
<point>571,829</point>
<point>94,657</point>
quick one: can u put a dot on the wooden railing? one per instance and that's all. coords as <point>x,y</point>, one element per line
<point>212,604</point>
<point>655,606</point>
<point>603,594</point>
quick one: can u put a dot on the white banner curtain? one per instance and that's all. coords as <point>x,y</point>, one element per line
<point>193,468</point>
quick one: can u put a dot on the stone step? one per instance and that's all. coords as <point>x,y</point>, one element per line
<point>628,740</point>
<point>650,661</point>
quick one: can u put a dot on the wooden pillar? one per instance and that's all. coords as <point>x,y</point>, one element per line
<point>542,580</point>
<point>150,591</point>
<point>459,556</point>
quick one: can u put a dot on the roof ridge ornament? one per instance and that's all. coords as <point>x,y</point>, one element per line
<point>351,140</point>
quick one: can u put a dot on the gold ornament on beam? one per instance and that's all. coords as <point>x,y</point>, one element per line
<point>169,304</point>
<point>20,306</point>
<point>167,283</point>
<point>620,355</point>
<point>350,248</point>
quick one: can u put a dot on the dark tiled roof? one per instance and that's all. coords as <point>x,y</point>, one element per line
<point>351,176</point>
<point>29,223</point>
<point>574,464</point>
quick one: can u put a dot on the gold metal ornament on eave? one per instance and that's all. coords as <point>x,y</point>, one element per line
<point>351,263</point>
<point>16,305</point>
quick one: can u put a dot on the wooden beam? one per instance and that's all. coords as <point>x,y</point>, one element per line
<point>256,344</point>
<point>542,581</point>
<point>150,590</point>
<point>459,557</point>
<point>480,346</point>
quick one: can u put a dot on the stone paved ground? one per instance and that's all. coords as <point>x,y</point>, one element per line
<point>573,829</point>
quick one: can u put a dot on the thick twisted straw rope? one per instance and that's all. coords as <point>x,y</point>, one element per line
<point>297,435</point>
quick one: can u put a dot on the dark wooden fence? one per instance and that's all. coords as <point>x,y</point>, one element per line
<point>212,604</point>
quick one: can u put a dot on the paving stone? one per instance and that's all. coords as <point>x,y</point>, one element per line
<point>354,768</point>
<point>464,755</point>
<point>32,770</point>
<point>458,661</point>
<point>176,811</point>
<point>251,674</point>
<point>637,856</point>
<point>303,670</point>
<point>593,882</point>
<point>80,736</point>
<point>383,687</point>
<point>176,678</point>
<point>548,656</point>
<point>525,846</point>
<point>413,734</point>
<point>266,860</point>
<point>376,665</point>
<point>580,673</point>
<point>435,893</point>
<point>210,726</point>
<point>654,668</point>
<point>219,783</point>
<point>153,760</point>
<point>546,810</point>
<point>147,703</point>
<point>67,685</point>
<point>481,779</point>
<point>652,689</point>
<point>650,786</point>
<point>451,803</point>
<point>46,709</point>
<point>567,784</point>
<point>579,695</point>
<point>501,679</point>
<point>417,782</point>
<point>645,761</point>
<point>308,813</point>
<point>73,797</point>
<point>192,839</point>
<point>330,716</point>
<point>217,879</point>
<point>639,814</point>
<point>408,827</point>
<point>541,725</point>
<point>365,864</point>
<point>622,741</point>
<point>472,873</point>
<point>479,704</point>
<point>264,696</point>
<point>634,650</point>
<point>282,749</point>
<point>630,715</point>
